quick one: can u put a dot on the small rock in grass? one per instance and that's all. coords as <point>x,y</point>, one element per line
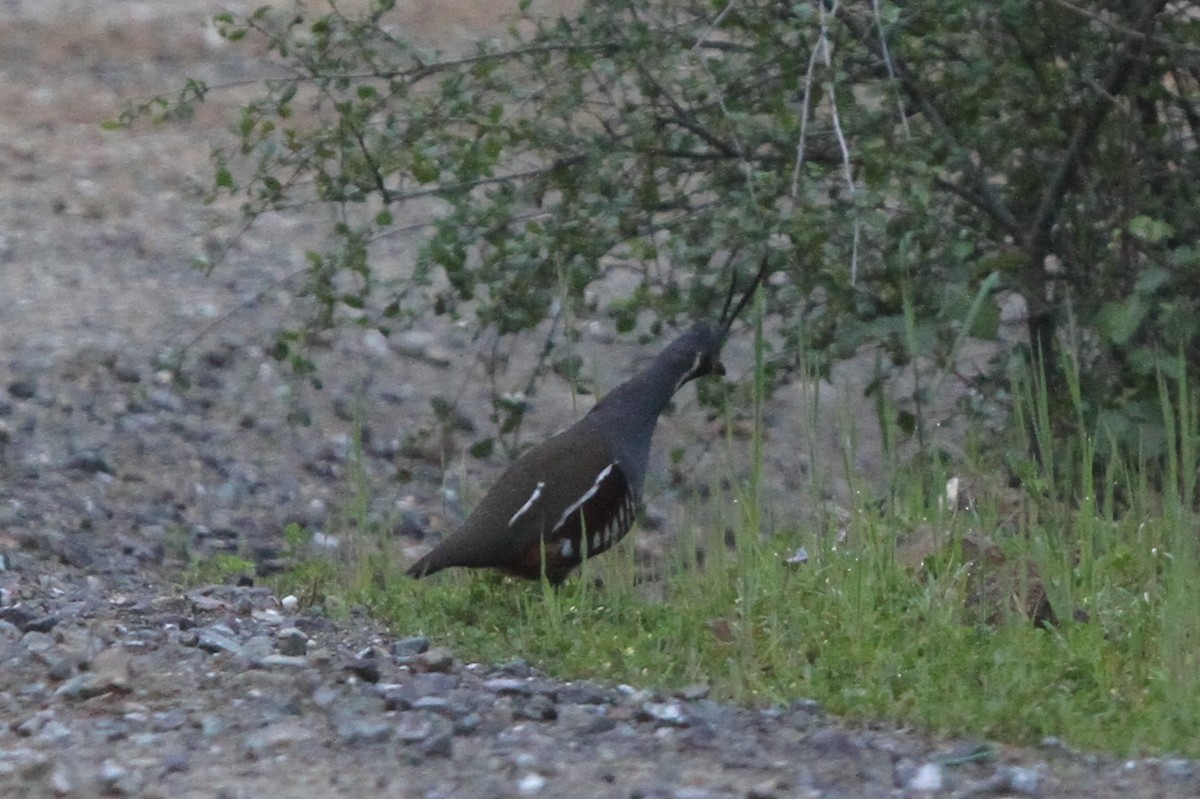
<point>435,660</point>
<point>408,647</point>
<point>667,713</point>
<point>928,778</point>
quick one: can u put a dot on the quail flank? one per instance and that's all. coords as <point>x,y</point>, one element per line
<point>576,494</point>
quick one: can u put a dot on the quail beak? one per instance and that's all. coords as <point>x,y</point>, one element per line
<point>718,369</point>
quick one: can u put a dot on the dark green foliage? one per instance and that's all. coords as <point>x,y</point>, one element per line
<point>904,161</point>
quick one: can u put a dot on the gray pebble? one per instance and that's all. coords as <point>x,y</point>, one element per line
<point>274,661</point>
<point>111,773</point>
<point>168,720</point>
<point>531,784</point>
<point>81,686</point>
<point>37,642</point>
<point>1018,780</point>
<point>834,742</point>
<point>365,668</point>
<point>398,395</point>
<point>509,686</point>
<point>126,372</point>
<point>407,647</point>
<point>535,708</point>
<point>28,763</point>
<point>599,725</point>
<point>439,706</point>
<point>269,739</point>
<point>176,761</point>
<point>413,727</point>
<point>666,713</point>
<point>398,696</point>
<point>9,631</point>
<point>61,780</point>
<point>23,388</point>
<point>584,693</point>
<point>928,778</point>
<point>1177,768</point>
<point>467,725</point>
<point>768,789</point>
<point>325,696</point>
<point>358,730</point>
<point>420,344</point>
<point>166,400</point>
<point>213,640</point>
<point>325,541</point>
<point>89,461</point>
<point>138,422</point>
<point>690,792</point>
<point>699,736</point>
<point>437,659</point>
<point>41,624</point>
<point>258,647</point>
<point>55,732</point>
<point>438,745</point>
<point>212,725</point>
<point>59,669</point>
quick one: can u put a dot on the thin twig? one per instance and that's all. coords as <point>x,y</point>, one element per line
<point>891,70</point>
<point>702,39</point>
<point>805,107</point>
<point>848,173</point>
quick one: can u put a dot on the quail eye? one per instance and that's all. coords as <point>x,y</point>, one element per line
<point>709,364</point>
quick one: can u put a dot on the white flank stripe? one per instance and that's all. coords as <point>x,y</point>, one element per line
<point>566,548</point>
<point>537,492</point>
<point>591,492</point>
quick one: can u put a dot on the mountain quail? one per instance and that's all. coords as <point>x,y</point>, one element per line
<point>576,494</point>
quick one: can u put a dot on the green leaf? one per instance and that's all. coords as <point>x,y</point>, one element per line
<point>482,448</point>
<point>1118,321</point>
<point>1150,230</point>
<point>1186,258</point>
<point>986,322</point>
<point>424,170</point>
<point>1150,279</point>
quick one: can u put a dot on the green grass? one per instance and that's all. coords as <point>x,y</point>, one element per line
<point>862,633</point>
<point>218,568</point>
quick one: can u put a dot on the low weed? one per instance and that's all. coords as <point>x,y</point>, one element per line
<point>870,636</point>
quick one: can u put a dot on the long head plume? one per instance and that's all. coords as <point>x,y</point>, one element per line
<point>726,320</point>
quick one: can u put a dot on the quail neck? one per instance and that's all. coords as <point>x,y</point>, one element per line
<point>627,415</point>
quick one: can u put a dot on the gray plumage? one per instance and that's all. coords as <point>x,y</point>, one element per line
<point>576,494</point>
